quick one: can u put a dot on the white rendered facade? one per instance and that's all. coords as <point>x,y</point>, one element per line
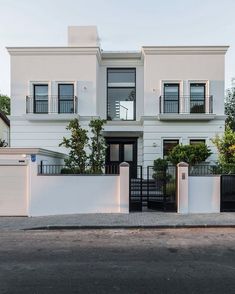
<point>85,65</point>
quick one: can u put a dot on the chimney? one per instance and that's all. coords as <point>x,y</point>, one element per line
<point>83,36</point>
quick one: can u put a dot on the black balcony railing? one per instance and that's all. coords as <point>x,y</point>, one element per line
<point>57,169</point>
<point>186,104</point>
<point>51,104</point>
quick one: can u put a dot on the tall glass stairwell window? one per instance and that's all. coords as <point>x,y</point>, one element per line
<point>171,98</point>
<point>121,93</point>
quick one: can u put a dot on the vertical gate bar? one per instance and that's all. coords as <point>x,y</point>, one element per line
<point>129,189</point>
<point>147,185</point>
<point>176,181</point>
<point>164,189</point>
<point>141,182</point>
<point>221,193</point>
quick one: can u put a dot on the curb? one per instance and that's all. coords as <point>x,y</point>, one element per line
<point>131,227</point>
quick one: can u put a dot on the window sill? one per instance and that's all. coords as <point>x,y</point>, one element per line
<point>50,117</point>
<point>191,116</point>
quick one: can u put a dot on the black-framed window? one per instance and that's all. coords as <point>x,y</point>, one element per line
<point>197,141</point>
<point>40,98</point>
<point>168,145</point>
<point>197,97</point>
<point>171,98</point>
<point>121,93</point>
<point>66,98</point>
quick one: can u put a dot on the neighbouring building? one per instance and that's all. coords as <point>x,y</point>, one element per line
<point>152,99</point>
<point>4,128</point>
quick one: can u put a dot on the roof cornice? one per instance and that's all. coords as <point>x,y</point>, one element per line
<point>54,51</point>
<point>185,50</point>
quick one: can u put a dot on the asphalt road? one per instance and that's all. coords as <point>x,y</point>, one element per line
<point>118,261</point>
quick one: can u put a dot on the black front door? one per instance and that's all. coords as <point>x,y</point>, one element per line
<point>120,150</point>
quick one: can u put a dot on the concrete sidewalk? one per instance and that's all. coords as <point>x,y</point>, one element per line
<point>132,220</point>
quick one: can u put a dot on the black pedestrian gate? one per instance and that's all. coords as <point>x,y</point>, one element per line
<point>153,191</point>
<point>227,193</point>
<point>136,185</point>
<point>161,193</point>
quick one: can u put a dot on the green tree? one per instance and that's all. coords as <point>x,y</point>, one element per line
<point>76,145</point>
<point>192,154</point>
<point>230,109</point>
<point>225,145</point>
<point>97,146</point>
<point>5,104</point>
<point>3,143</point>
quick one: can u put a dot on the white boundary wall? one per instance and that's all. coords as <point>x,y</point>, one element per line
<point>204,194</point>
<point>65,194</point>
<point>197,194</point>
<point>51,195</point>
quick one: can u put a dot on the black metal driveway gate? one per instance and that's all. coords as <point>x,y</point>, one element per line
<point>227,193</point>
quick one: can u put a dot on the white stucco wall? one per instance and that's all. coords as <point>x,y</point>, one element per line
<point>88,71</point>
<point>51,195</point>
<point>61,194</point>
<point>182,68</point>
<point>204,194</point>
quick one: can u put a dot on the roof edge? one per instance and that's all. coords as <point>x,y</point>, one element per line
<point>29,151</point>
<point>185,49</point>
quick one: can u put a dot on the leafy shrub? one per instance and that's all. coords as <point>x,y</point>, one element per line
<point>160,170</point>
<point>226,147</point>
<point>170,188</point>
<point>192,154</point>
<point>3,143</point>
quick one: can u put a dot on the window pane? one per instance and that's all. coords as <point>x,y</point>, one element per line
<point>66,96</point>
<point>66,91</point>
<point>197,91</point>
<point>40,98</point>
<point>128,152</point>
<point>197,98</point>
<point>168,145</point>
<point>125,76</point>
<point>114,152</point>
<point>121,103</point>
<point>197,141</point>
<point>171,98</point>
<point>41,92</point>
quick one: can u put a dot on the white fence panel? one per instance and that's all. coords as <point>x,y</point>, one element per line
<point>51,195</point>
<point>204,194</point>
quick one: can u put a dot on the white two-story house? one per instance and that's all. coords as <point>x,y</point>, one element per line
<point>152,99</point>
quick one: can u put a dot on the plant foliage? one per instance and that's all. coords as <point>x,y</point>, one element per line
<point>3,143</point>
<point>192,154</point>
<point>5,104</point>
<point>230,109</point>
<point>76,145</point>
<point>97,146</point>
<point>225,145</point>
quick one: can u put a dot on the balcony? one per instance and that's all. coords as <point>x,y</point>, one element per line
<point>186,108</point>
<point>51,105</point>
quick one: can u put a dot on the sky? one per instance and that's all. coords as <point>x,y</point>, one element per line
<point>122,25</point>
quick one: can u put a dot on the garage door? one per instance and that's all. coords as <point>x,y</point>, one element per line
<point>13,190</point>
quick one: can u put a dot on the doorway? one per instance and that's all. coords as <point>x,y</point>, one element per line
<point>120,150</point>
